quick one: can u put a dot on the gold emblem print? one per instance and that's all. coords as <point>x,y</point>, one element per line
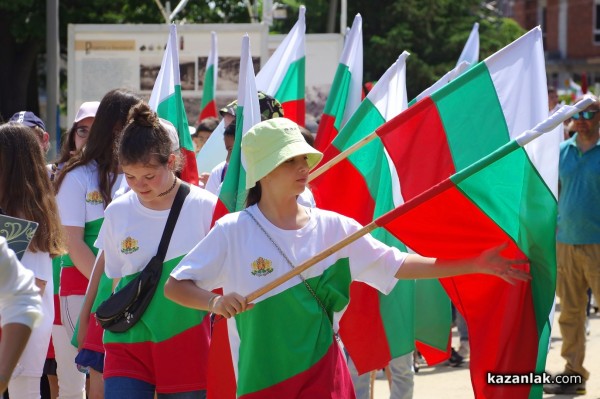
<point>94,197</point>
<point>129,245</point>
<point>261,267</point>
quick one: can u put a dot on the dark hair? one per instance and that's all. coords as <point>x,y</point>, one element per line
<point>308,136</point>
<point>104,133</point>
<point>25,188</point>
<point>230,129</point>
<point>254,195</point>
<point>207,125</point>
<point>68,145</point>
<point>144,138</point>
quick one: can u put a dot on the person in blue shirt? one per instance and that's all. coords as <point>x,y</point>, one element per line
<point>578,241</point>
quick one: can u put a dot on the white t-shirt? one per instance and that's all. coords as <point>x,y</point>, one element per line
<point>224,258</point>
<point>131,232</point>
<point>31,362</point>
<point>237,256</point>
<point>79,199</point>
<point>19,298</point>
<point>214,182</point>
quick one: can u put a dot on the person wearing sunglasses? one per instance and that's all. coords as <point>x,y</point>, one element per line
<point>578,241</point>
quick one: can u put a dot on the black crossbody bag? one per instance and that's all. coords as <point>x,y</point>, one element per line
<point>125,307</point>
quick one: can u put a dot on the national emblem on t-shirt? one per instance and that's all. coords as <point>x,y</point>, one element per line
<point>261,267</point>
<point>129,245</point>
<point>94,198</point>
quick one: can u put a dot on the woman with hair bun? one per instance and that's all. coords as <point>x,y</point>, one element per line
<point>166,351</point>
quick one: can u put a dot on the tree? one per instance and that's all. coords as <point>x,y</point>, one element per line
<point>23,27</point>
<point>433,31</point>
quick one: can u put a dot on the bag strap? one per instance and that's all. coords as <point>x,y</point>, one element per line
<point>289,262</point>
<point>182,192</point>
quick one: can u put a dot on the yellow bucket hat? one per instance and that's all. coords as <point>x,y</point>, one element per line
<point>270,143</point>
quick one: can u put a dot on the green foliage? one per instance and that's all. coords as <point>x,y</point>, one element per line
<point>433,31</point>
<point>26,19</point>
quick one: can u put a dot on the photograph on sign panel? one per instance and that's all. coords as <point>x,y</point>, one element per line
<point>149,71</point>
<point>228,72</point>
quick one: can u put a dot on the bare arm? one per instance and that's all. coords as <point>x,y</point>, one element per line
<point>12,344</point>
<point>488,262</point>
<point>187,293</point>
<point>82,256</point>
<point>90,296</point>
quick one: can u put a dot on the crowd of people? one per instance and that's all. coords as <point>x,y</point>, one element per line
<point>103,203</point>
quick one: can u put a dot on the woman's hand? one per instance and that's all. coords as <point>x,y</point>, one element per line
<point>492,262</point>
<point>228,305</point>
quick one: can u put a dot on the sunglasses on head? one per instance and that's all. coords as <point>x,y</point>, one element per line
<point>82,131</point>
<point>586,115</point>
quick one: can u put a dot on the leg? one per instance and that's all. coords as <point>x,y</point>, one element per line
<point>71,382</point>
<point>571,288</point>
<point>402,372</point>
<point>53,383</point>
<point>23,387</point>
<point>97,385</point>
<point>463,332</point>
<point>361,382</point>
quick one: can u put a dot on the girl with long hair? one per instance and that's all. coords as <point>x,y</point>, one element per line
<point>26,193</point>
<point>85,187</point>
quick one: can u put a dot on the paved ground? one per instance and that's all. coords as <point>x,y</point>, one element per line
<point>454,383</point>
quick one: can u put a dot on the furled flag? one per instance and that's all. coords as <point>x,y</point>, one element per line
<point>346,90</point>
<point>167,102</point>
<point>233,191</point>
<point>470,52</point>
<point>208,106</point>
<point>283,76</point>
<point>371,338</point>
<point>511,200</point>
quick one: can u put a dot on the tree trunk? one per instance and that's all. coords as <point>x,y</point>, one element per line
<point>18,76</point>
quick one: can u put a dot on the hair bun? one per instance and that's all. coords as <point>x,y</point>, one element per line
<point>142,115</point>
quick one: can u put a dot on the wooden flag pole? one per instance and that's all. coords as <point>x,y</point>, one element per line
<point>311,262</point>
<point>345,154</point>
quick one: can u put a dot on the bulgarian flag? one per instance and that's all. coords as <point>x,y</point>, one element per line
<point>208,106</point>
<point>346,91</point>
<point>283,76</point>
<point>371,338</point>
<point>221,376</point>
<point>167,102</point>
<point>233,192</point>
<point>470,52</point>
<point>512,199</point>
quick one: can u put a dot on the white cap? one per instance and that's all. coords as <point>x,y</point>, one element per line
<point>170,128</point>
<point>87,110</point>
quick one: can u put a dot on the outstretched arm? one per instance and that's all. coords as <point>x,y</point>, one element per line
<point>488,262</point>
